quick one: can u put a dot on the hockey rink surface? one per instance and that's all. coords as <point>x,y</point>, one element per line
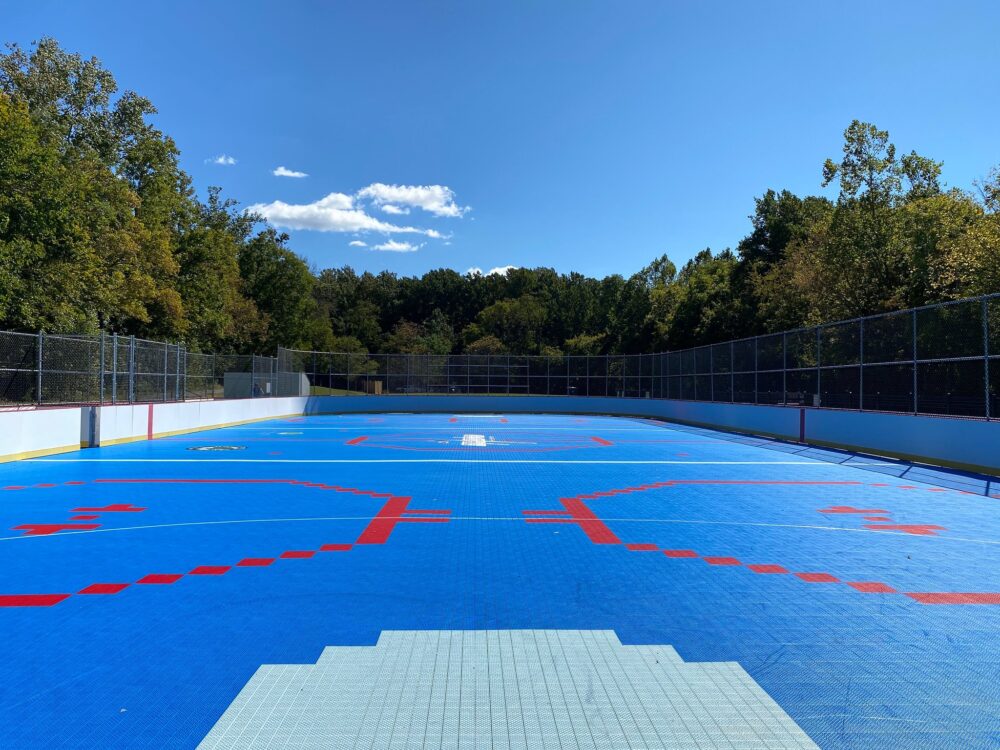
<point>501,581</point>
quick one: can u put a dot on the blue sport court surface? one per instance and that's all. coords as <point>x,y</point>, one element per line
<point>521,581</point>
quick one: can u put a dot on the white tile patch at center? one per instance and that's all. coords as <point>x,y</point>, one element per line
<point>509,689</point>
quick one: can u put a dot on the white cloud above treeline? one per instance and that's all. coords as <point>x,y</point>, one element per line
<point>357,243</point>
<point>343,212</point>
<point>286,172</point>
<point>498,271</point>
<point>222,160</point>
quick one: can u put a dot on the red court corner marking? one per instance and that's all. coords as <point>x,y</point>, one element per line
<point>955,598</point>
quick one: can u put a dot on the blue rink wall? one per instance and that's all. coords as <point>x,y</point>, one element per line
<point>957,443</point>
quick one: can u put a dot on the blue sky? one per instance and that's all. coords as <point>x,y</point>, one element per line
<point>579,135</point>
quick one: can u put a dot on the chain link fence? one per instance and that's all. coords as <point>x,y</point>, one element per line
<point>941,360</point>
<point>43,369</point>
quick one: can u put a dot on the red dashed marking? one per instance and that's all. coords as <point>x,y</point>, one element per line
<point>956,598</point>
<point>43,529</point>
<point>255,562</point>
<point>210,570</point>
<point>116,508</point>
<point>103,588</point>
<point>877,518</point>
<point>14,487</point>
<point>850,509</point>
<point>642,547</point>
<point>298,554</point>
<point>357,440</point>
<point>85,517</point>
<point>679,553</point>
<point>336,548</point>
<point>31,600</point>
<point>45,485</point>
<point>871,587</point>
<point>160,578</point>
<point>768,569</point>
<point>818,578</point>
<point>722,561</point>
<point>601,441</point>
<point>920,529</point>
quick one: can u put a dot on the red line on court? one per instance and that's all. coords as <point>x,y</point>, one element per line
<point>44,529</point>
<point>955,598</point>
<point>104,588</point>
<point>381,526</point>
<point>31,600</point>
<point>160,578</point>
<point>601,441</point>
<point>357,440</point>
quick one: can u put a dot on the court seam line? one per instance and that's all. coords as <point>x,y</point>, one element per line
<point>811,462</point>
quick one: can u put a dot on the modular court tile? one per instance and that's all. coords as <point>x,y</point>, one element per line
<point>391,580</point>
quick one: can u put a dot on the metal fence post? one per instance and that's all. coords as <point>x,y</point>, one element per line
<point>38,374</point>
<point>732,375</point>
<point>818,401</point>
<point>861,366</point>
<point>100,388</point>
<point>986,355</point>
<point>916,405</point>
<point>253,373</point>
<point>114,368</point>
<point>166,363</point>
<point>756,367</point>
<point>131,369</point>
<point>177,374</point>
<point>784,369</point>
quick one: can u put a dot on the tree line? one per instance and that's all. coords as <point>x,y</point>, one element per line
<point>100,228</point>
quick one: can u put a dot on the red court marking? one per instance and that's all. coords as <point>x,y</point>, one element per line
<point>45,485</point>
<point>722,561</point>
<point>642,547</point>
<point>210,570</point>
<point>298,554</point>
<point>117,508</point>
<point>43,529</point>
<point>355,441</point>
<point>73,483</point>
<point>160,578</point>
<point>871,587</point>
<point>336,548</point>
<point>680,553</point>
<point>381,526</point>
<point>850,509</point>
<point>103,588</point>
<point>453,419</point>
<point>601,441</point>
<point>14,487</point>
<point>544,512</point>
<point>775,569</point>
<point>149,423</point>
<point>86,517</point>
<point>595,529</point>
<point>877,518</point>
<point>255,562</point>
<point>683,455</point>
<point>920,529</point>
<point>818,578</point>
<point>503,420</point>
<point>31,600</point>
<point>955,598</point>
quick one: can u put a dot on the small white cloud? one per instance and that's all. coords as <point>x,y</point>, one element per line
<point>435,199</point>
<point>395,210</point>
<point>286,172</point>
<point>334,213</point>
<point>397,247</point>
<point>221,160</point>
<point>357,243</point>
<point>498,271</point>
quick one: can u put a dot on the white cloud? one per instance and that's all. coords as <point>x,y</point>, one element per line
<point>286,172</point>
<point>397,247</point>
<point>435,199</point>
<point>334,213</point>
<point>357,243</point>
<point>222,160</point>
<point>498,271</point>
<point>395,210</point>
